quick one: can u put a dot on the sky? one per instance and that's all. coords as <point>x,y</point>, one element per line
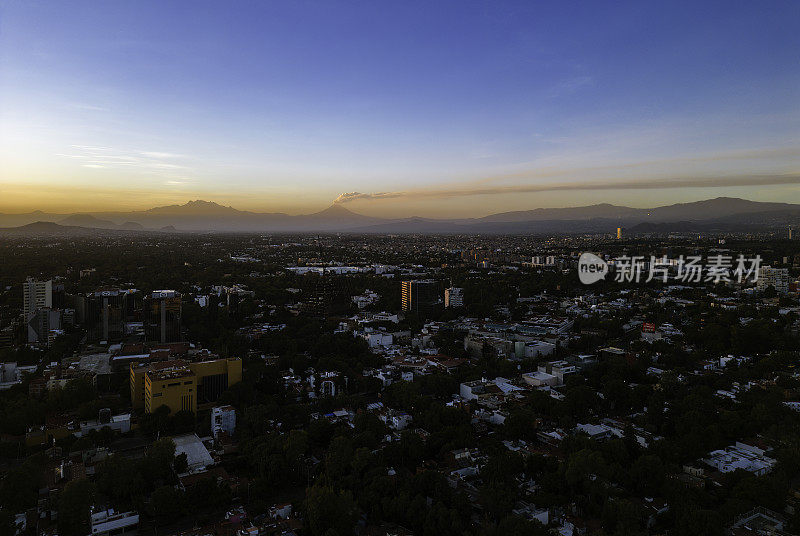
<point>396,108</point>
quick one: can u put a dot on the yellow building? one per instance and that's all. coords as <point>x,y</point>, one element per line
<point>215,376</point>
<point>182,385</point>
<point>138,375</point>
<point>174,387</point>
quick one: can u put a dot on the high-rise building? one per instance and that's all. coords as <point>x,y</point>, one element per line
<point>543,260</point>
<point>775,277</point>
<point>133,306</point>
<point>420,296</point>
<point>619,233</point>
<point>7,336</point>
<point>790,233</point>
<point>104,313</point>
<point>41,324</point>
<point>162,318</point>
<point>453,297</point>
<point>36,295</point>
<point>59,296</point>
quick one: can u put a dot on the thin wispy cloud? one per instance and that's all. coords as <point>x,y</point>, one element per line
<point>532,98</point>
<point>572,85</point>
<point>159,154</point>
<point>652,184</point>
<point>87,107</point>
<point>99,157</point>
<point>787,159</point>
<point>352,196</point>
<point>613,176</point>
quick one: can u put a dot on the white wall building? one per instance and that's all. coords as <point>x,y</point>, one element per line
<point>36,295</point>
<point>559,369</point>
<point>223,419</point>
<point>366,299</point>
<point>454,297</point>
<point>741,456</point>
<point>197,455</point>
<point>528,349</point>
<point>540,379</point>
<point>11,374</point>
<point>111,522</point>
<point>543,260</point>
<point>376,338</point>
<point>775,277</point>
<point>119,423</point>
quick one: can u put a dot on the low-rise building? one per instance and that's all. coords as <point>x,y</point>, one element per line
<point>108,522</point>
<point>741,456</point>
<point>198,459</point>
<point>540,379</point>
<point>223,419</point>
<point>119,423</point>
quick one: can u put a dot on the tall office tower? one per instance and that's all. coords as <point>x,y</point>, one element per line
<point>59,296</point>
<point>790,233</point>
<point>36,295</point>
<point>328,295</point>
<point>41,323</point>
<point>162,322</point>
<point>420,296</point>
<point>104,313</point>
<point>775,277</point>
<point>453,297</point>
<point>319,297</point>
<point>619,233</point>
<point>133,306</point>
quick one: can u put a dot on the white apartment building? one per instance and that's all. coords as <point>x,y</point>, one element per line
<point>776,277</point>
<point>543,260</point>
<point>454,297</point>
<point>223,419</point>
<point>36,295</point>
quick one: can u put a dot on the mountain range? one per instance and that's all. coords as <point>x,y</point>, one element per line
<point>722,213</point>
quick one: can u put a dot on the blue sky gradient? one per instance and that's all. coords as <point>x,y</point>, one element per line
<point>286,105</point>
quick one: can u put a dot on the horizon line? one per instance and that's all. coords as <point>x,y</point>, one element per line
<point>340,204</point>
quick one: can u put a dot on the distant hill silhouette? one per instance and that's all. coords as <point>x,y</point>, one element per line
<point>200,215</point>
<point>48,228</point>
<point>87,220</point>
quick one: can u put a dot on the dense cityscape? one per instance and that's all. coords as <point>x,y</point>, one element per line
<point>252,384</point>
<point>399,268</point>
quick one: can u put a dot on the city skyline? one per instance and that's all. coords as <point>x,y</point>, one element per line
<point>452,110</point>
<point>463,268</point>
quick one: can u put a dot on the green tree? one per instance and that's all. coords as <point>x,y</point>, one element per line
<point>159,460</point>
<point>19,489</point>
<point>74,503</point>
<point>7,524</point>
<point>330,512</point>
<point>181,463</point>
<point>167,502</point>
<point>121,480</point>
